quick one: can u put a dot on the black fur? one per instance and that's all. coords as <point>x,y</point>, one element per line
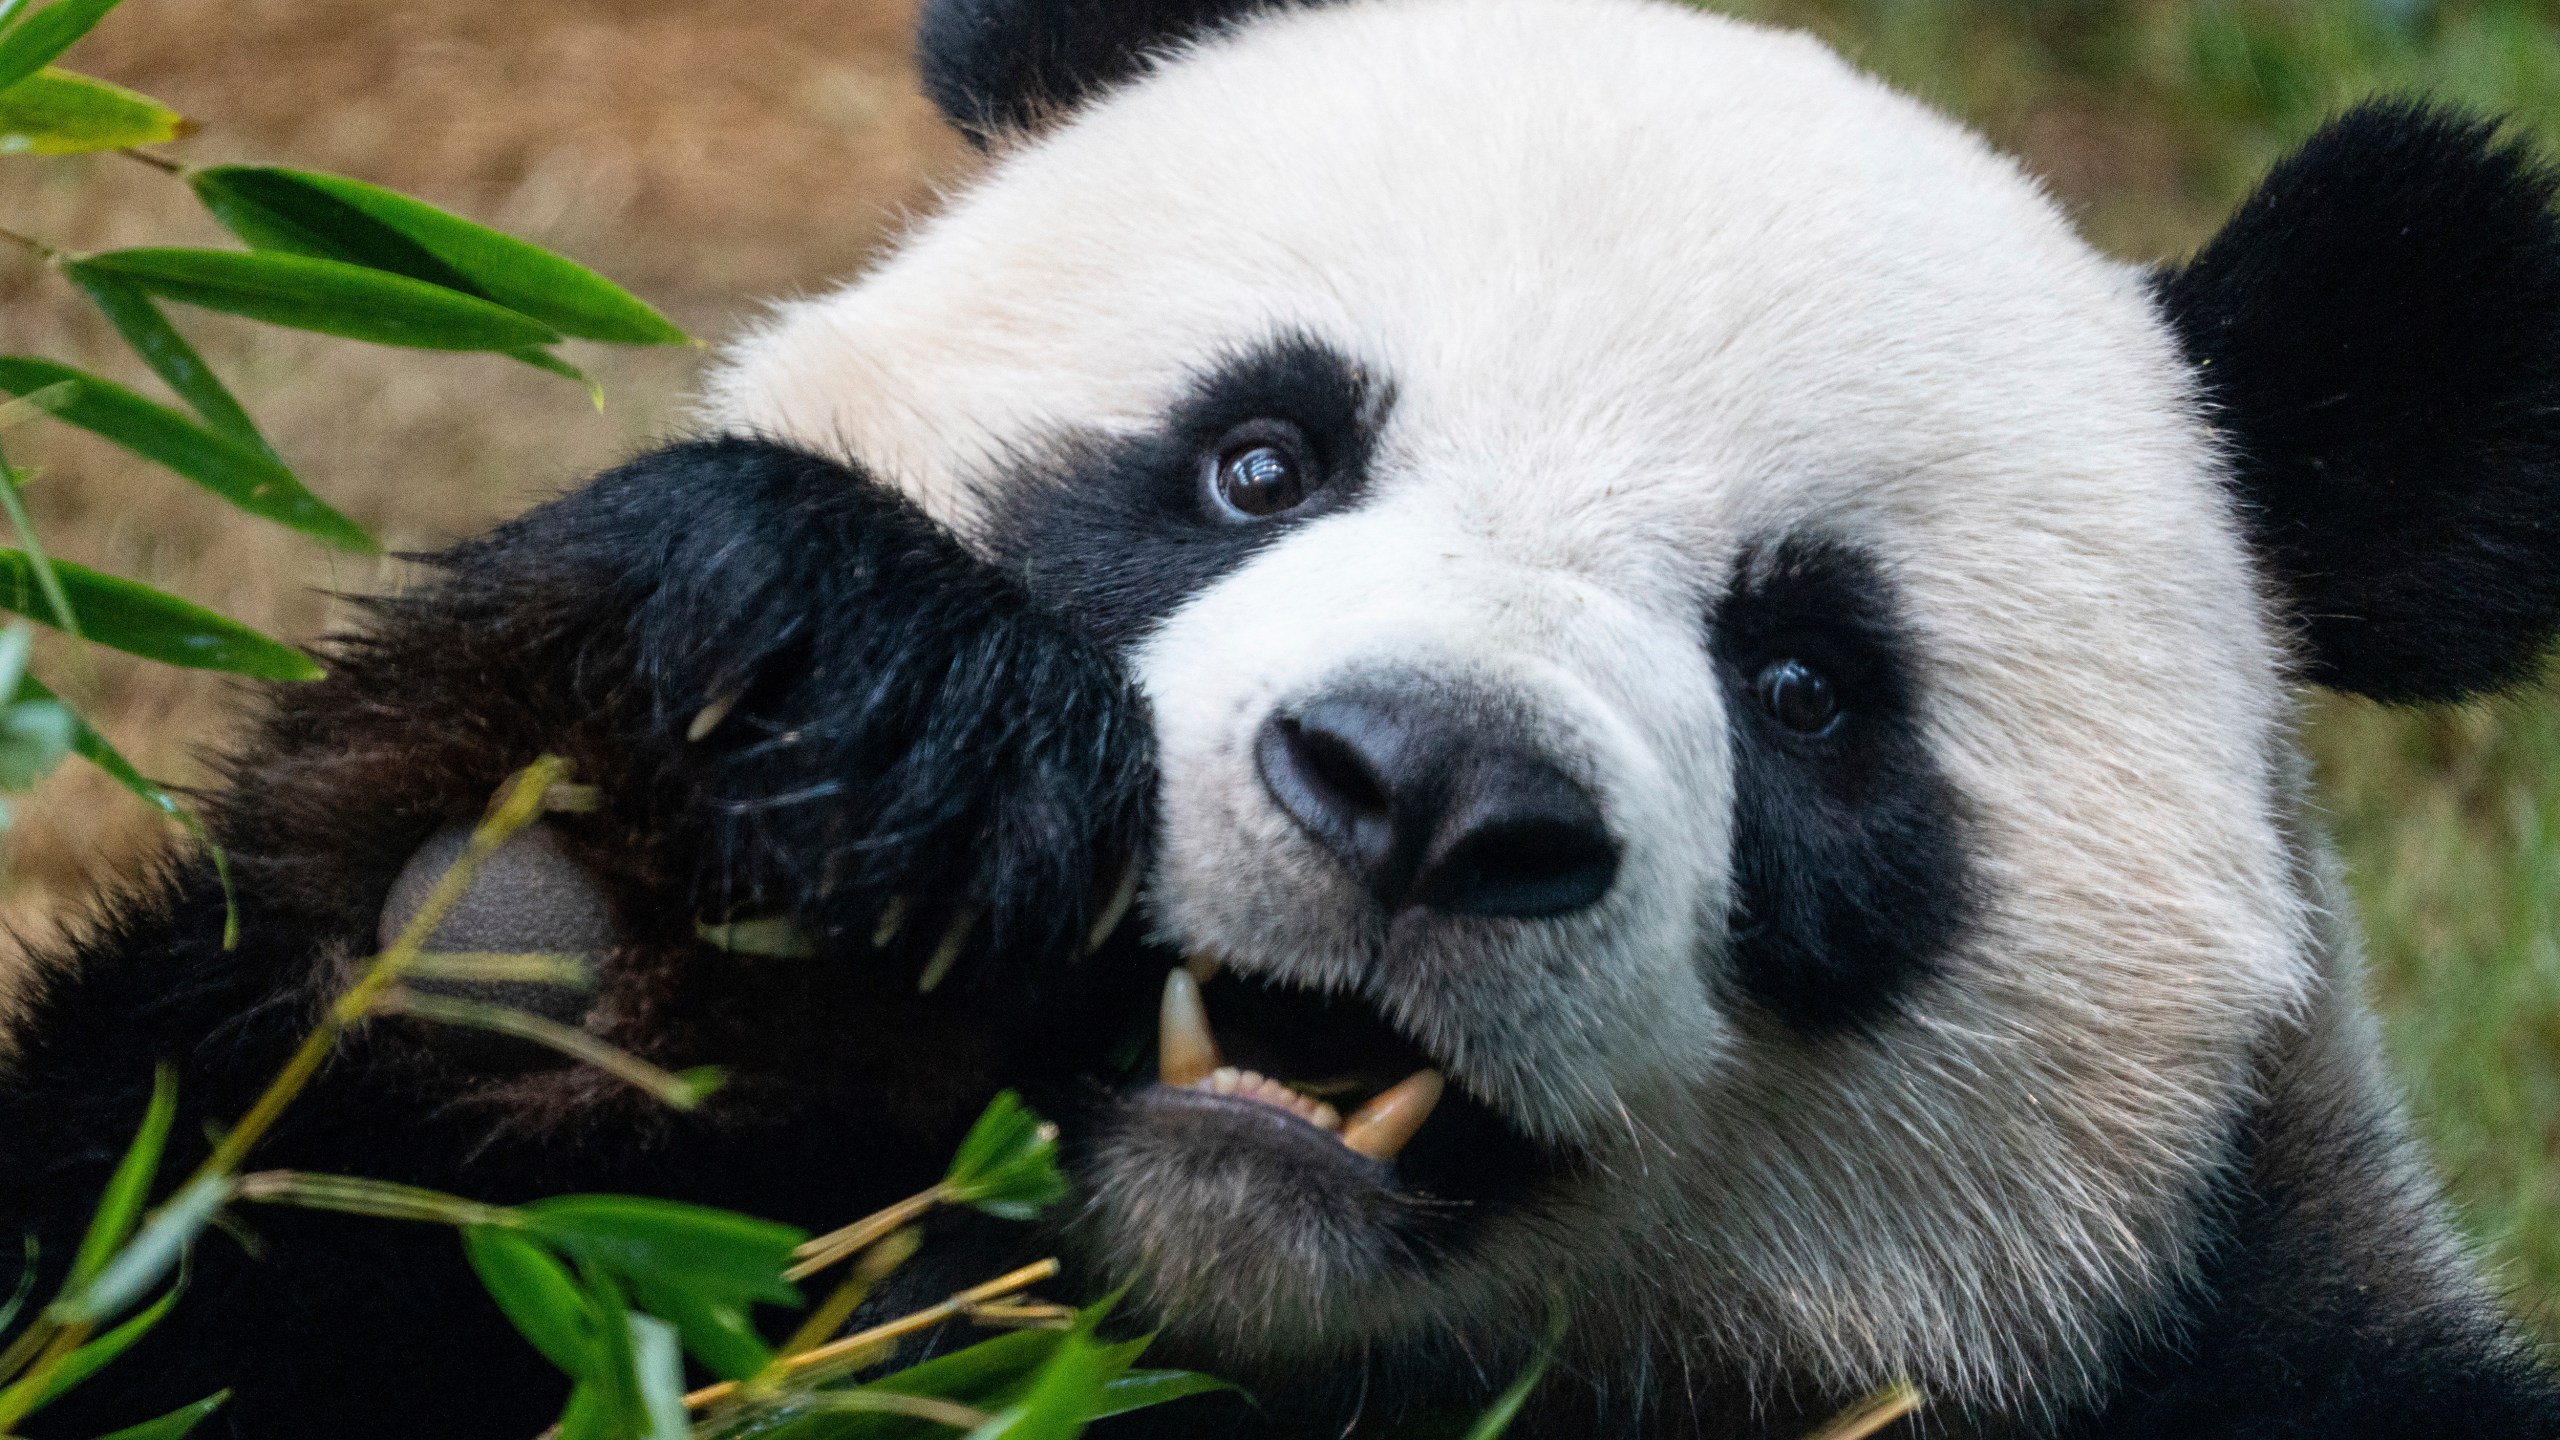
<point>913,724</point>
<point>1116,534</point>
<point>2377,334</point>
<point>2324,1312</point>
<point>994,66</point>
<point>1849,873</point>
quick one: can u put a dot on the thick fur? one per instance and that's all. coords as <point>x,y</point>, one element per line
<point>911,725</point>
<point>1652,293</point>
<point>2054,1092</point>
<point>2377,332</point>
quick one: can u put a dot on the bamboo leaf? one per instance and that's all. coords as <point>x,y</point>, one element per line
<point>716,1331</point>
<point>331,297</point>
<point>247,475</point>
<point>1142,1389</point>
<point>153,624</point>
<point>120,1204</point>
<point>26,1283</point>
<point>332,217</point>
<point>167,352</point>
<point>93,1357</point>
<point>1007,1165</point>
<point>538,1295</point>
<point>715,1252</point>
<point>54,112</point>
<point>176,1424</point>
<point>657,1362</point>
<point>91,746</point>
<point>31,43</point>
<point>147,1258</point>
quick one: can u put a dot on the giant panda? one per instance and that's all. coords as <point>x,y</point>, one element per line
<point>1696,693</point>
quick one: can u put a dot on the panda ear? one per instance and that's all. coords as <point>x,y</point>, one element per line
<point>998,66</point>
<point>2377,333</point>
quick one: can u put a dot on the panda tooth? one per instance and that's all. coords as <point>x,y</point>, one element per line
<point>1382,1127</point>
<point>1186,1053</point>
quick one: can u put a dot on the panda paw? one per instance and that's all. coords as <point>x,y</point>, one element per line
<point>813,722</point>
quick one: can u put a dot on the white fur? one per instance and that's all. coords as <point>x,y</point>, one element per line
<point>1651,286</point>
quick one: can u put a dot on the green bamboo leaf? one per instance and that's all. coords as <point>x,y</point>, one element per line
<point>167,352</point>
<point>1062,1397</point>
<point>248,476</point>
<point>1142,1389</point>
<point>1007,1165</point>
<point>31,43</point>
<point>93,1357</point>
<point>716,1253</point>
<point>26,1283</point>
<point>147,1258</point>
<point>176,1424</point>
<point>153,624</point>
<point>616,1377</point>
<point>537,1293</point>
<point>589,1414</point>
<point>331,297</point>
<point>120,1204</point>
<point>54,112</point>
<point>716,1331</point>
<point>657,1362</point>
<point>544,360</point>
<point>332,217</point>
<point>91,746</point>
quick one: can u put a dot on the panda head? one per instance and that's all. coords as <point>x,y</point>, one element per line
<point>1679,595</point>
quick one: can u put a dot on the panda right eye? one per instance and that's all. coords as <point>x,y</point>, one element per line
<point>1260,469</point>
<point>1798,696</point>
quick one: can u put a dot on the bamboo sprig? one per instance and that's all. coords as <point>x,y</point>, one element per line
<point>878,1337</point>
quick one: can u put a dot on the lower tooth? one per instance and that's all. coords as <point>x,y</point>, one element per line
<point>1381,1128</point>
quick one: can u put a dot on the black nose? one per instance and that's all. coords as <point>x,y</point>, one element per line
<point>1431,807</point>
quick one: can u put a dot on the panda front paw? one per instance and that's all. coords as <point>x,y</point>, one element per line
<point>812,720</point>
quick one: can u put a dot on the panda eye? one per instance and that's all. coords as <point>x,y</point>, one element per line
<point>1797,696</point>
<point>1260,468</point>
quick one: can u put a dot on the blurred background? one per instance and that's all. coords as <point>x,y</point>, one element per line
<point>715,154</point>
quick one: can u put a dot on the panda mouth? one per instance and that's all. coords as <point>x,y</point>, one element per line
<point>1322,1061</point>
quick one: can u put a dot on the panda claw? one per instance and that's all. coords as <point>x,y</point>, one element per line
<point>946,951</point>
<point>893,918</point>
<point>1124,893</point>
<point>709,717</point>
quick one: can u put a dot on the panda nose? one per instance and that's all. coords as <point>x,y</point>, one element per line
<point>1433,809</point>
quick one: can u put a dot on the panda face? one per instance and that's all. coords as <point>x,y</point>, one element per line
<point>1677,595</point>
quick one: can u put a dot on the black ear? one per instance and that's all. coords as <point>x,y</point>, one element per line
<point>2377,330</point>
<point>1009,65</point>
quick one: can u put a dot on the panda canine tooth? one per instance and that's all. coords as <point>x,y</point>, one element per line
<point>1381,1128</point>
<point>1186,1053</point>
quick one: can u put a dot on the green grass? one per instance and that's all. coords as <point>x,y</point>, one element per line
<point>2150,120</point>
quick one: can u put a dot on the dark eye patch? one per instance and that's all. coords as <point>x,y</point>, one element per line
<point>1117,533</point>
<point>1850,867</point>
